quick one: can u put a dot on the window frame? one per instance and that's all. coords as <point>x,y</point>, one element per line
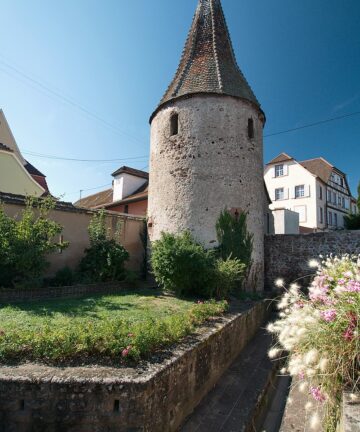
<point>297,189</point>
<point>282,196</point>
<point>281,166</point>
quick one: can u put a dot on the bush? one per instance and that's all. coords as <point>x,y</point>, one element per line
<point>25,243</point>
<point>227,275</point>
<point>181,265</point>
<point>63,277</point>
<point>352,222</point>
<point>104,260</point>
<point>321,334</point>
<point>234,239</point>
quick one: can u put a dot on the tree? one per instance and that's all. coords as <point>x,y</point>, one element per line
<point>26,242</point>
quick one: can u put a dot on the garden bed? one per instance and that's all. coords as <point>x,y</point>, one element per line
<point>102,329</point>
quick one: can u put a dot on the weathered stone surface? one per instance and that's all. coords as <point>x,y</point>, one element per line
<point>287,256</point>
<point>156,399</point>
<point>350,413</point>
<point>211,164</point>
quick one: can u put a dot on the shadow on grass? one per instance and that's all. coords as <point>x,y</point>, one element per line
<point>91,305</point>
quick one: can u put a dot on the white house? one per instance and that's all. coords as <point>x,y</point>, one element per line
<point>314,188</point>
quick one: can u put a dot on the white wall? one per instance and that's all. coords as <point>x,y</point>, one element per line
<point>286,221</point>
<point>294,175</point>
<point>15,179</point>
<point>125,185</point>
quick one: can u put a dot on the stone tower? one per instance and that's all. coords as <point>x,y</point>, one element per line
<point>207,142</point>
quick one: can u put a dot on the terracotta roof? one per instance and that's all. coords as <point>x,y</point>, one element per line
<point>137,196</point>
<point>131,171</point>
<point>5,148</point>
<point>319,167</point>
<point>95,200</point>
<point>283,157</point>
<point>208,63</point>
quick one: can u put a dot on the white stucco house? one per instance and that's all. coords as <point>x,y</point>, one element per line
<point>318,191</point>
<point>17,175</point>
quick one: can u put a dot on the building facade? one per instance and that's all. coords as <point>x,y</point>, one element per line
<point>314,188</point>
<point>207,142</point>
<point>128,194</point>
<point>17,175</point>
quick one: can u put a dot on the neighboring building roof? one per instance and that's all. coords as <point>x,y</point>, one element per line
<point>283,157</point>
<point>32,170</point>
<point>131,171</point>
<point>319,167</point>
<point>140,195</point>
<point>208,63</point>
<point>104,199</point>
<point>6,148</point>
<point>96,200</point>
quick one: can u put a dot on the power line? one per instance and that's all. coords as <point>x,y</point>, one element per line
<point>47,156</point>
<point>313,124</point>
<point>63,98</point>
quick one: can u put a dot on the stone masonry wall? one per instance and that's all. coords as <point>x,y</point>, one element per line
<point>36,398</point>
<point>210,165</point>
<point>287,256</point>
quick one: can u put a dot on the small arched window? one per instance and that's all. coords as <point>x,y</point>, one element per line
<point>251,133</point>
<point>174,124</point>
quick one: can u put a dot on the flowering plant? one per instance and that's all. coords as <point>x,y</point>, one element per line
<point>320,332</point>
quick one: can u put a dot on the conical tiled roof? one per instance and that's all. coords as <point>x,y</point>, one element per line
<point>208,63</point>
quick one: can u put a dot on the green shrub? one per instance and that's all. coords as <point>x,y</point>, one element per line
<point>234,239</point>
<point>63,277</point>
<point>26,242</point>
<point>181,265</point>
<point>104,260</point>
<point>228,274</point>
<point>352,221</point>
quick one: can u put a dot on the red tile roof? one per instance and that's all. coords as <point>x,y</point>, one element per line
<point>283,157</point>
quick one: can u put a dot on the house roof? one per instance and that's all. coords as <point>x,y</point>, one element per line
<point>96,200</point>
<point>208,63</point>
<point>32,170</point>
<point>283,157</point>
<point>6,148</point>
<point>104,199</point>
<point>319,167</point>
<point>131,171</point>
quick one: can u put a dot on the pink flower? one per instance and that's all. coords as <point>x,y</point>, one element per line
<point>299,305</point>
<point>349,333</point>
<point>341,281</point>
<point>348,274</point>
<point>329,315</point>
<point>131,335</point>
<point>316,394</point>
<point>200,302</point>
<point>301,375</point>
<point>126,351</point>
<point>353,286</point>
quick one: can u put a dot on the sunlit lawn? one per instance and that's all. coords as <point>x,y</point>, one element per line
<point>117,328</point>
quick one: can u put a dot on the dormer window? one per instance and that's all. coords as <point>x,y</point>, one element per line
<point>279,170</point>
<point>251,132</point>
<point>174,124</point>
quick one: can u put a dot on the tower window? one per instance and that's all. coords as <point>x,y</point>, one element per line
<point>126,210</point>
<point>174,124</point>
<point>251,128</point>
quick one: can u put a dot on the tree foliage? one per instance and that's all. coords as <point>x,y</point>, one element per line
<point>104,260</point>
<point>234,239</point>
<point>26,241</point>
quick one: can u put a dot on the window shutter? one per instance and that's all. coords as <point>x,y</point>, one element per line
<point>286,169</point>
<point>309,191</point>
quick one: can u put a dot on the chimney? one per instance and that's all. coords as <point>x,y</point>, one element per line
<point>127,181</point>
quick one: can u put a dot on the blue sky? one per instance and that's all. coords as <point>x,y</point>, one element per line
<point>115,58</point>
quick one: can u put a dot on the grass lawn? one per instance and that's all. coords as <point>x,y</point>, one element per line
<point>104,328</point>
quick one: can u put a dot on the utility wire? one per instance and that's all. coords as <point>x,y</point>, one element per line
<point>313,124</point>
<point>47,156</point>
<point>65,99</point>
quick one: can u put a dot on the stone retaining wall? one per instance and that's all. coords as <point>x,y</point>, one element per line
<point>16,295</point>
<point>287,256</point>
<point>156,399</point>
